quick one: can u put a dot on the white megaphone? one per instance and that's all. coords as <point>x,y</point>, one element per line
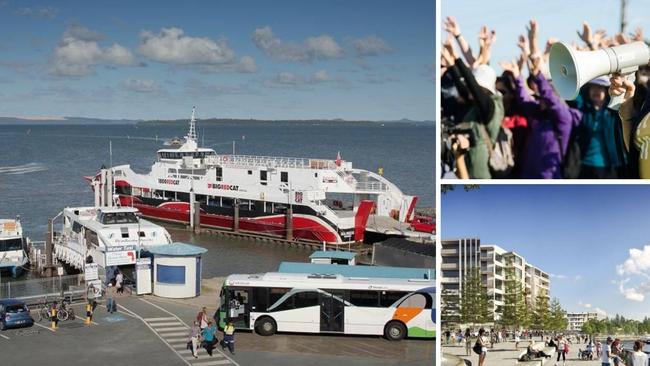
<point>571,69</point>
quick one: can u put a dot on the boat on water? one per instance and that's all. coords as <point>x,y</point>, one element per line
<point>174,141</point>
<point>13,247</point>
<point>109,236</point>
<point>307,199</point>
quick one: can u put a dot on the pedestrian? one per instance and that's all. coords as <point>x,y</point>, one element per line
<point>482,342</point>
<point>229,337</point>
<point>195,335</point>
<point>447,336</point>
<point>598,348</point>
<point>606,359</point>
<point>639,358</point>
<point>111,305</point>
<point>617,351</point>
<point>517,338</point>
<point>202,318</point>
<point>119,282</point>
<point>468,342</point>
<point>209,337</point>
<point>562,348</point>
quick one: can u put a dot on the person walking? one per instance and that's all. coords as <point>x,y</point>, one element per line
<point>638,357</point>
<point>195,335</point>
<point>517,338</point>
<point>229,337</point>
<point>468,342</point>
<point>119,282</point>
<point>111,305</point>
<point>561,350</point>
<point>209,337</point>
<point>482,342</point>
<point>202,318</point>
<point>606,352</point>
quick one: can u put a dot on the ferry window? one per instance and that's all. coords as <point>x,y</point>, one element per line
<point>76,227</point>
<point>125,233</point>
<point>284,177</point>
<point>263,175</point>
<point>388,298</point>
<point>364,298</point>
<point>11,244</point>
<point>219,174</point>
<point>183,196</point>
<point>119,218</point>
<point>171,170</point>
<point>250,172</point>
<point>142,234</point>
<point>315,175</point>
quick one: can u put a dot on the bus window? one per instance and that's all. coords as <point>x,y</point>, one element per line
<point>364,298</point>
<point>276,293</point>
<point>414,301</point>
<point>388,298</point>
<point>260,300</point>
<point>306,299</point>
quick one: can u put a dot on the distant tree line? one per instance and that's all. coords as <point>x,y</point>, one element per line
<point>616,325</point>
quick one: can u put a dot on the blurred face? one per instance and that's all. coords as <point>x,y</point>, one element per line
<point>597,94</point>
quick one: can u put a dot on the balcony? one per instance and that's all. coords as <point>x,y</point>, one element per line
<point>449,266</point>
<point>449,251</point>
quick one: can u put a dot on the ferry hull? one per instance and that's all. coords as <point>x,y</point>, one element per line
<point>304,228</point>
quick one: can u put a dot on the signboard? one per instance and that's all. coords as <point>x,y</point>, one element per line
<point>59,271</point>
<point>94,289</point>
<point>91,271</point>
<point>120,254</point>
<point>143,276</point>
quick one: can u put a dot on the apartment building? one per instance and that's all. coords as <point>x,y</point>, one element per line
<point>577,320</point>
<point>459,255</point>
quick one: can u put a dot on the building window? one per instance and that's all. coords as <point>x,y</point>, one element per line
<point>170,274</point>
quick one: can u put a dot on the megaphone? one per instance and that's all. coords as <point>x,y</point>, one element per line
<point>571,69</point>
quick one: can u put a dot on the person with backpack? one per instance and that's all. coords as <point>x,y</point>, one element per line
<point>480,347</point>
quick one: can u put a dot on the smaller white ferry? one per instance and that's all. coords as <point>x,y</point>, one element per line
<point>13,247</point>
<point>108,236</point>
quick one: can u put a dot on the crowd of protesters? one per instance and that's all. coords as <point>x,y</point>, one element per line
<point>516,126</point>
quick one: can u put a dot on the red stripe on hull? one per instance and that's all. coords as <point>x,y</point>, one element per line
<point>303,228</point>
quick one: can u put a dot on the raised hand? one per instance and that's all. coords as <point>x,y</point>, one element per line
<point>586,35</point>
<point>452,27</point>
<point>598,38</point>
<point>513,67</point>
<point>522,43</point>
<point>621,38</point>
<point>638,34</point>
<point>532,36</point>
<point>619,85</point>
<point>448,54</point>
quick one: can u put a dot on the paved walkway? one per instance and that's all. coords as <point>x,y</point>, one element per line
<point>506,354</point>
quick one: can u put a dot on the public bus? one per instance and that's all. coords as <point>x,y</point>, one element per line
<point>313,303</point>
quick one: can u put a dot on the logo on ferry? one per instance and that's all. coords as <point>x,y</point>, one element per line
<point>299,197</point>
<point>225,187</point>
<point>168,181</point>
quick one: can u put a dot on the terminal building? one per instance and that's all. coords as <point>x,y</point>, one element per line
<point>577,320</point>
<point>461,255</point>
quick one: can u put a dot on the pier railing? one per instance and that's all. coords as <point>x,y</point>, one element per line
<point>33,291</point>
<point>271,161</point>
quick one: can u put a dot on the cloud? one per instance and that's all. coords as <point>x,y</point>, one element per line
<point>601,312</point>
<point>637,263</point>
<point>633,293</point>
<point>198,88</point>
<point>46,12</point>
<point>373,78</point>
<point>172,46</point>
<point>140,86</point>
<point>76,57</point>
<point>588,306</point>
<point>313,48</point>
<point>80,32</point>
<point>370,46</point>
<point>285,79</point>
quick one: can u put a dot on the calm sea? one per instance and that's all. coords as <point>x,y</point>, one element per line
<point>41,168</point>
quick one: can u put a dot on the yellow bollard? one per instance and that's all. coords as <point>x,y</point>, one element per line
<point>54,319</point>
<point>89,313</point>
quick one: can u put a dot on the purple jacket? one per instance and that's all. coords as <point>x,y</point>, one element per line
<point>543,158</point>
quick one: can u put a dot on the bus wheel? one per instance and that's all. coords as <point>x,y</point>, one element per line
<point>395,331</point>
<point>266,326</point>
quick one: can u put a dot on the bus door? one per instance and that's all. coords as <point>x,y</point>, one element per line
<point>239,307</point>
<point>332,311</point>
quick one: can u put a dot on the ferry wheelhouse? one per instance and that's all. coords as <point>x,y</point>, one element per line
<point>307,199</point>
<point>13,247</point>
<point>108,236</point>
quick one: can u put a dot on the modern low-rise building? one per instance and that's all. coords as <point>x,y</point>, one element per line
<point>460,255</point>
<point>577,320</point>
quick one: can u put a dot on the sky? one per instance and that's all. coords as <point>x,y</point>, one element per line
<point>593,239</point>
<point>287,59</point>
<point>556,18</point>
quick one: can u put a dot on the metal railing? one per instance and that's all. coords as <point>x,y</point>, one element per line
<point>371,186</point>
<point>34,290</point>
<point>271,161</point>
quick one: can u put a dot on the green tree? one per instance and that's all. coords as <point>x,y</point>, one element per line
<point>474,301</point>
<point>450,308</point>
<point>515,310</point>
<point>541,315</point>
<point>558,318</point>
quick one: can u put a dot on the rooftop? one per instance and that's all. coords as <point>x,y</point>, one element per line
<point>358,271</point>
<point>336,254</point>
<point>177,250</point>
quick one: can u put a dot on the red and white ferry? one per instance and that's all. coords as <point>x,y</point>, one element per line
<point>325,200</point>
